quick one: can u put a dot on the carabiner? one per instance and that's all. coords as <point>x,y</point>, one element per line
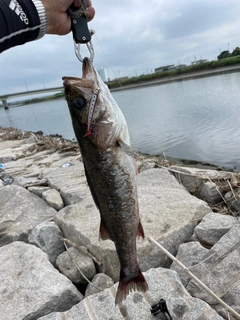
<point>81,33</point>
<point>89,46</point>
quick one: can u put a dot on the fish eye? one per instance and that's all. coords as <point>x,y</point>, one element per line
<point>79,103</point>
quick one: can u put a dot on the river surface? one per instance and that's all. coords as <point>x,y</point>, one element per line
<point>197,119</point>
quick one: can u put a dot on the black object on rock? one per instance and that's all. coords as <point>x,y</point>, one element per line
<point>161,306</point>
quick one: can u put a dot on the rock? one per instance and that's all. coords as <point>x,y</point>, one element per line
<point>53,198</point>
<point>213,227</point>
<point>100,280</point>
<point>168,213</point>
<point>209,192</point>
<point>162,283</point>
<point>6,179</point>
<point>30,181</point>
<point>8,150</point>
<point>38,190</point>
<point>232,298</point>
<point>220,270</point>
<point>46,236</point>
<point>5,159</point>
<point>31,139</point>
<point>189,254</point>
<point>30,286</point>
<point>195,177</point>
<point>35,164</point>
<point>233,201</point>
<point>146,166</point>
<point>80,224</point>
<point>71,182</point>
<point>20,212</point>
<point>70,262</point>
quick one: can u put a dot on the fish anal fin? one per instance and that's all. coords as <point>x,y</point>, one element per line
<point>128,283</point>
<point>103,233</point>
<point>140,232</point>
<point>128,149</point>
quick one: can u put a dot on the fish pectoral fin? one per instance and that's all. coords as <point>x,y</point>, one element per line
<point>103,233</point>
<point>128,149</point>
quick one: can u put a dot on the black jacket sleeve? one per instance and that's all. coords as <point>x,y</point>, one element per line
<point>19,23</point>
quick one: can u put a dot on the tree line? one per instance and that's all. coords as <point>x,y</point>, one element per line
<point>227,54</point>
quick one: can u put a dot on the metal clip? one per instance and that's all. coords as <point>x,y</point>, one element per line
<point>89,46</point>
<point>79,26</point>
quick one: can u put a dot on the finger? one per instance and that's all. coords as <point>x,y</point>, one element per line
<point>90,13</point>
<point>78,3</point>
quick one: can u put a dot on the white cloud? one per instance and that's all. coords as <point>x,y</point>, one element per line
<point>132,37</point>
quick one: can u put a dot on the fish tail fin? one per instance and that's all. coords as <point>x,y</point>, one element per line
<point>128,283</point>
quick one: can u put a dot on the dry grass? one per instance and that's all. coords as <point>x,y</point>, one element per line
<point>51,143</point>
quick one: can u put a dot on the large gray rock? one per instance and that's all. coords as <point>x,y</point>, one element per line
<point>80,224</point>
<point>210,193</point>
<point>213,227</point>
<point>33,164</point>
<point>70,181</point>
<point>162,283</point>
<point>189,254</point>
<point>46,236</point>
<point>168,213</point>
<point>100,282</point>
<point>8,150</point>
<point>233,200</point>
<point>30,286</point>
<point>30,181</point>
<point>38,190</point>
<point>53,198</point>
<point>220,271</point>
<point>70,262</point>
<point>232,298</point>
<point>20,212</point>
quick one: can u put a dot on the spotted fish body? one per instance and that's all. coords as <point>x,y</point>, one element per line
<point>103,140</point>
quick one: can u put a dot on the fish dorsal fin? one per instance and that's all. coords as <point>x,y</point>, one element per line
<point>128,149</point>
<point>103,233</point>
<point>140,232</point>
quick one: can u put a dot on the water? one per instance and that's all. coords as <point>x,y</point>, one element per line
<point>195,119</point>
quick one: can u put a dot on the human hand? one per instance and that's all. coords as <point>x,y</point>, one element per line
<point>58,20</point>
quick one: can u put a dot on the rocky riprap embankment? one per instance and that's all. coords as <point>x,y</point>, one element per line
<point>44,199</point>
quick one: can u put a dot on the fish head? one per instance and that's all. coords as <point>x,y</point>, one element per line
<point>92,107</point>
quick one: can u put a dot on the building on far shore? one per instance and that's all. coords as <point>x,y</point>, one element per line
<point>103,74</point>
<point>163,68</point>
<point>199,61</point>
<point>169,67</point>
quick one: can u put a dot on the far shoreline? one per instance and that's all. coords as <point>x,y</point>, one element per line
<point>163,80</point>
<point>18,134</point>
<point>187,76</point>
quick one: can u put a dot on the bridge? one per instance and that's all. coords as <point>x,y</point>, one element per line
<point>5,97</point>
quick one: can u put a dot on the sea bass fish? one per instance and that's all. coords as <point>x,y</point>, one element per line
<point>103,139</point>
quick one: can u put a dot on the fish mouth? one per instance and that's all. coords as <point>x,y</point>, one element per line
<point>87,69</point>
<point>87,76</point>
<point>69,82</point>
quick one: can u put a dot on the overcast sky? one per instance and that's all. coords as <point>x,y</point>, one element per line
<point>132,38</point>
